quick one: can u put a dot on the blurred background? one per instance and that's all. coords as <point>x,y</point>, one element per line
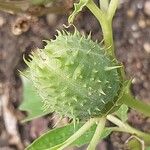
<point>23,26</point>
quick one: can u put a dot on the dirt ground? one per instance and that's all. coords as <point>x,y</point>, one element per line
<point>132,37</point>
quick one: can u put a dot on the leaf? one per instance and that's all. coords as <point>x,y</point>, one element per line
<point>122,112</point>
<point>77,8</point>
<point>31,102</point>
<point>53,139</point>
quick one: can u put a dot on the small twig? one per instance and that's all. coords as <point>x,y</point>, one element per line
<point>25,7</point>
<point>124,127</point>
<point>10,119</point>
<point>97,134</point>
<point>77,134</point>
<point>104,5</point>
<point>14,7</point>
<point>112,9</point>
<point>141,141</point>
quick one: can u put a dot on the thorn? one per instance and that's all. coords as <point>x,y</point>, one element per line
<point>77,72</point>
<point>75,99</point>
<point>96,41</point>
<point>81,104</point>
<point>84,85</point>
<point>90,88</point>
<point>91,79</point>
<point>99,81</point>
<point>94,71</point>
<point>97,109</point>
<point>89,36</point>
<point>89,111</point>
<point>81,39</point>
<point>103,101</point>
<point>58,32</point>
<point>89,93</point>
<point>101,91</point>
<point>107,81</point>
<point>88,51</point>
<point>101,42</point>
<point>75,53</point>
<point>111,68</point>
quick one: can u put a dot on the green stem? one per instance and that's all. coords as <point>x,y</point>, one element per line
<point>124,127</point>
<point>97,134</point>
<point>104,4</point>
<point>105,24</point>
<point>130,101</point>
<point>112,9</point>
<point>77,134</point>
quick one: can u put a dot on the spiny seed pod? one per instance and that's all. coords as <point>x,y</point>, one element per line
<point>75,76</point>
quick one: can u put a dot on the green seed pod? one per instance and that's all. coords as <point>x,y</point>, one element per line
<point>75,77</point>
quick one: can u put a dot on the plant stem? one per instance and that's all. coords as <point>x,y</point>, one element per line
<point>13,6</point>
<point>130,101</point>
<point>124,127</point>
<point>105,24</point>
<point>26,7</point>
<point>112,9</point>
<point>104,5</point>
<point>97,134</point>
<point>77,134</point>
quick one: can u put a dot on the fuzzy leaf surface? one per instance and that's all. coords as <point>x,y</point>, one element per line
<point>51,140</point>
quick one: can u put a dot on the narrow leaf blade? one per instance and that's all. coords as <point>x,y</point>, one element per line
<point>51,140</point>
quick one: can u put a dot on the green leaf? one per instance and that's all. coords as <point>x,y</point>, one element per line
<point>31,102</point>
<point>53,139</point>
<point>122,112</point>
<point>77,8</point>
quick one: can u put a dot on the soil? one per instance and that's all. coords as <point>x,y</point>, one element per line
<point>21,33</point>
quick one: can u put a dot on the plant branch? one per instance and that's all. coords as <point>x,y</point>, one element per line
<point>26,7</point>
<point>104,5</point>
<point>97,134</point>
<point>15,7</point>
<point>112,9</point>
<point>124,127</point>
<point>131,102</point>
<point>77,134</point>
<point>105,24</point>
